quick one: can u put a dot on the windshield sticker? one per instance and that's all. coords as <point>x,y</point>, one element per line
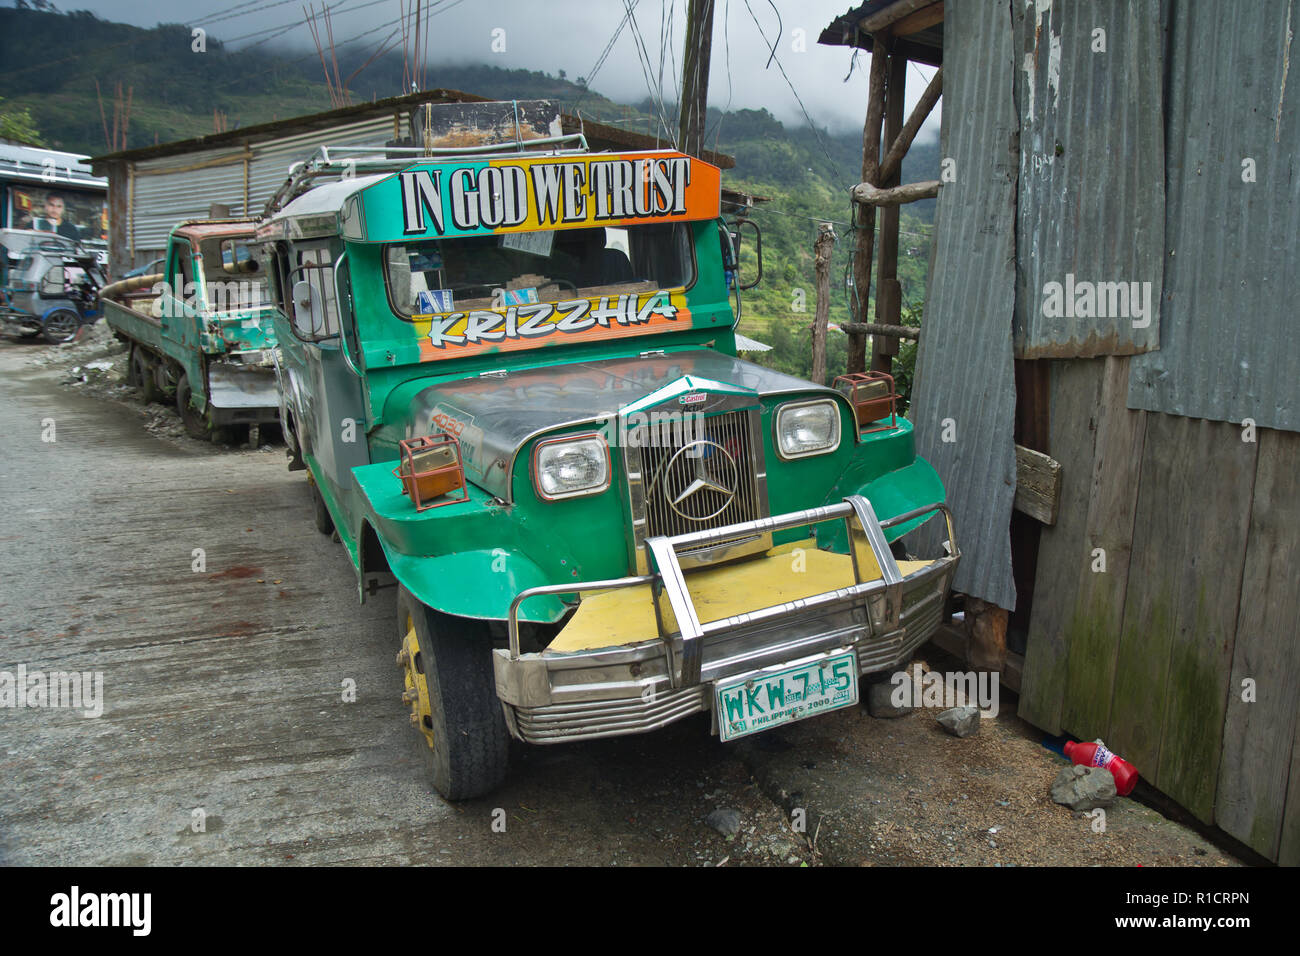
<point>435,300</point>
<point>550,323</point>
<point>533,243</point>
<point>519,296</point>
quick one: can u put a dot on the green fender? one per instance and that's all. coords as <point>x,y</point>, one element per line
<point>893,493</point>
<point>479,584</point>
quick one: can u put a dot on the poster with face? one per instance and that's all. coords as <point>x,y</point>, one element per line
<point>68,212</point>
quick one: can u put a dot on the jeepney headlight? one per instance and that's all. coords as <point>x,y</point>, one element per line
<point>569,467</point>
<point>807,428</point>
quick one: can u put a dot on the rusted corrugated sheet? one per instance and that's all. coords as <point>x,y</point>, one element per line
<point>1090,235</point>
<point>1230,337</point>
<point>965,389</point>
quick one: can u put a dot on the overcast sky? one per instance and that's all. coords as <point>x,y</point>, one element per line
<point>570,35</point>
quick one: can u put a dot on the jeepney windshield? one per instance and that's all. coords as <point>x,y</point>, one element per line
<point>495,271</point>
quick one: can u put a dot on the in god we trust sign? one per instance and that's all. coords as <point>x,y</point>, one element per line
<point>442,200</point>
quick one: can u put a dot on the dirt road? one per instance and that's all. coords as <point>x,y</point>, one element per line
<point>228,735</point>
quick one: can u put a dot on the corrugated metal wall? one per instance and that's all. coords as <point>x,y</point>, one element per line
<point>272,159</point>
<point>1089,90</point>
<point>184,186</point>
<point>965,389</point>
<point>1230,337</point>
<point>160,197</point>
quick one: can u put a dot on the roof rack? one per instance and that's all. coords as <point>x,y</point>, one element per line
<point>326,163</point>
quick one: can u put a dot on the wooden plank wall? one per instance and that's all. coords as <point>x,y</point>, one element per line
<point>1198,594</point>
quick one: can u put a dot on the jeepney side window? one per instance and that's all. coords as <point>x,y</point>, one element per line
<point>315,267</point>
<point>494,271</point>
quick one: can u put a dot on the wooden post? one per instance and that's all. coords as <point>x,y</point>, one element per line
<point>695,76</point>
<point>865,216</point>
<point>822,250</point>
<point>893,160</point>
<point>889,292</point>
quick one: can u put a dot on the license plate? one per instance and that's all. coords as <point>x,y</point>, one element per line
<point>768,699</point>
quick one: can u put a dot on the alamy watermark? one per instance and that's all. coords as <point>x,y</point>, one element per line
<point>914,688</point>
<point>1085,299</point>
<point>214,295</point>
<point>73,690</point>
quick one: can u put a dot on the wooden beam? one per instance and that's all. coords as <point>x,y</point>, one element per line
<point>875,328</point>
<point>893,160</point>
<point>870,195</point>
<point>920,20</point>
<point>1038,485</point>
<point>891,15</point>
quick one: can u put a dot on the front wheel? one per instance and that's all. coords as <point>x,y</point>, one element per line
<point>447,670</point>
<point>195,421</point>
<point>61,326</point>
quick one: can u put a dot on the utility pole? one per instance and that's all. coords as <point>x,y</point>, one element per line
<point>695,76</point>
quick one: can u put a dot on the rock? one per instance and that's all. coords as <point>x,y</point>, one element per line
<point>961,721</point>
<point>880,704</point>
<point>727,821</point>
<point>1084,788</point>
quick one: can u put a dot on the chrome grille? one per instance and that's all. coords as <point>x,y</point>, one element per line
<point>699,474</point>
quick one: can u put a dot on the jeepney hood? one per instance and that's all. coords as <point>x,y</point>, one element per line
<point>495,415</point>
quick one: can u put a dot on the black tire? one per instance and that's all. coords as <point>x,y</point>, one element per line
<point>61,326</point>
<point>462,730</point>
<point>324,522</point>
<point>196,422</point>
<point>141,375</point>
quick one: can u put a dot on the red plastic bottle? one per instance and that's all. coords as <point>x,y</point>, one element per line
<point>1096,755</point>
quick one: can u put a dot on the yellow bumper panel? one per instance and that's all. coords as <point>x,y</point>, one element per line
<point>787,573</point>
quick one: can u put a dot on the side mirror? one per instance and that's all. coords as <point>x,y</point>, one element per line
<point>308,315</point>
<point>737,227</point>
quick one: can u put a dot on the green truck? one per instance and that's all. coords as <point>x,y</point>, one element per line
<point>201,332</point>
<point>510,372</point>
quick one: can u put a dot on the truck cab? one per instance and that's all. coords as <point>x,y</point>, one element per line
<point>201,329</point>
<point>511,375</point>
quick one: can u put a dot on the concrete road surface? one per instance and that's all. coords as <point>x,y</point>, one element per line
<point>227,735</point>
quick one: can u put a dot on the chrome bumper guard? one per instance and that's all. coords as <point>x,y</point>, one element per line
<point>628,689</point>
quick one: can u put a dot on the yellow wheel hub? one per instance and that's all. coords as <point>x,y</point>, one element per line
<point>417,690</point>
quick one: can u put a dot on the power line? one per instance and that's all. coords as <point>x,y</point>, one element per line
<point>600,61</point>
<point>646,69</point>
<point>798,99</point>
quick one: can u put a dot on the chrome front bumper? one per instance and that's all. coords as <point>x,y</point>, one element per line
<point>607,692</point>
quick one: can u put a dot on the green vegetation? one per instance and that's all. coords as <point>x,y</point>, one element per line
<point>176,93</point>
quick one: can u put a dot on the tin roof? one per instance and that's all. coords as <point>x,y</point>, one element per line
<point>599,135</point>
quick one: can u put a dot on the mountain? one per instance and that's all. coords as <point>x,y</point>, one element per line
<point>179,92</point>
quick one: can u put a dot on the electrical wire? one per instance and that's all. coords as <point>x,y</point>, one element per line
<point>817,133</point>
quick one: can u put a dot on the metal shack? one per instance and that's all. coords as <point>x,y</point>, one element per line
<point>1110,345</point>
<point>153,188</point>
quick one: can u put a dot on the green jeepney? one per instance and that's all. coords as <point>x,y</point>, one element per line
<point>201,331</point>
<point>511,375</point>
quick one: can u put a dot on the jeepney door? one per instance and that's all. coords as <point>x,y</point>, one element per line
<point>333,412</point>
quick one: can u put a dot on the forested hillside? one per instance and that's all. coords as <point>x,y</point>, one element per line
<point>177,93</point>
